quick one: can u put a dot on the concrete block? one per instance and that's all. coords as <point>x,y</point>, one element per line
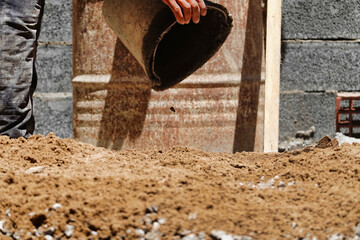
<point>53,113</point>
<point>57,21</point>
<point>319,19</point>
<point>54,68</point>
<point>301,111</point>
<point>320,66</point>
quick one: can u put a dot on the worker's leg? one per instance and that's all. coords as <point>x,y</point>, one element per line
<point>19,30</point>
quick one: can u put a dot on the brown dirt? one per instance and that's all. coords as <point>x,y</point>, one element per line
<point>315,194</point>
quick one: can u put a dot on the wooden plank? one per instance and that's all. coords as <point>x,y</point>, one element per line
<point>272,82</point>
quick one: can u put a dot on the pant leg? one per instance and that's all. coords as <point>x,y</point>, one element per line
<point>20,22</point>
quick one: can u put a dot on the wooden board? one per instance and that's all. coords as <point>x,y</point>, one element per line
<point>272,82</point>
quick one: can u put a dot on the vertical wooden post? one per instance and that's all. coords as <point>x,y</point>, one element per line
<point>272,81</point>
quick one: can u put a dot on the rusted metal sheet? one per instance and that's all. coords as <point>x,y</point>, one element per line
<point>219,108</point>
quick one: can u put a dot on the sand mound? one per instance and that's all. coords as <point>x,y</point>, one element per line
<point>60,188</point>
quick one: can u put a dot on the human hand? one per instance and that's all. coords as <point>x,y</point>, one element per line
<point>185,10</point>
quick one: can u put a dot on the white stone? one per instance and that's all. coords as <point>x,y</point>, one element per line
<point>2,222</point>
<point>281,184</point>
<point>139,232</point>
<point>155,226</point>
<point>69,230</point>
<point>35,170</point>
<point>56,206</point>
<point>7,213</point>
<point>48,237</point>
<point>162,220</point>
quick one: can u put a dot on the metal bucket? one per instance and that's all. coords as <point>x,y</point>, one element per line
<point>167,51</point>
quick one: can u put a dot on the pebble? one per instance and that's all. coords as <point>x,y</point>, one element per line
<point>221,235</point>
<point>69,230</point>
<point>56,206</point>
<point>281,184</point>
<point>50,231</point>
<point>7,213</point>
<point>2,228</point>
<point>152,236</point>
<point>48,237</point>
<point>155,226</point>
<point>34,170</point>
<point>37,233</point>
<point>243,238</point>
<point>152,209</point>
<point>162,220</point>
<point>190,237</point>
<point>139,232</point>
<point>336,237</point>
<point>95,233</point>
<point>185,233</point>
<point>148,221</point>
<point>16,235</point>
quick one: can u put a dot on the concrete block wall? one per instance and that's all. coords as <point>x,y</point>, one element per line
<point>320,57</point>
<point>53,96</point>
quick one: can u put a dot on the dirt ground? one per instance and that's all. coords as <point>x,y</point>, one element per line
<point>84,192</point>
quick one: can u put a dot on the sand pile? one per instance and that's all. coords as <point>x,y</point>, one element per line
<point>52,188</point>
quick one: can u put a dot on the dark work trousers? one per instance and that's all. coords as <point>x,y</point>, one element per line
<point>20,22</point>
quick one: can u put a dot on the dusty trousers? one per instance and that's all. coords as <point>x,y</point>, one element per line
<point>20,22</point>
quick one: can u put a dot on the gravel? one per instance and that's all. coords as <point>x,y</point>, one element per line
<point>345,139</point>
<point>153,232</point>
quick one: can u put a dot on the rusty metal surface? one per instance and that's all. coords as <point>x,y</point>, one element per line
<point>219,108</point>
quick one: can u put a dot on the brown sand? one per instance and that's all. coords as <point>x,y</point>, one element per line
<point>314,192</point>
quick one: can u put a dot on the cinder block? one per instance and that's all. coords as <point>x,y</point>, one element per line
<point>57,21</point>
<point>320,66</point>
<point>301,111</point>
<point>54,68</point>
<point>321,19</point>
<point>53,113</point>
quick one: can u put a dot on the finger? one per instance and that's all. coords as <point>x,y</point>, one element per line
<point>195,10</point>
<point>202,6</point>
<point>186,9</point>
<point>176,9</point>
